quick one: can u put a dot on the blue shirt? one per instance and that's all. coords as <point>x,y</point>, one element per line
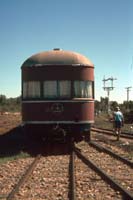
<point>118,116</point>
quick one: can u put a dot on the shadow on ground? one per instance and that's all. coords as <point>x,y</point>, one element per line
<point>15,141</point>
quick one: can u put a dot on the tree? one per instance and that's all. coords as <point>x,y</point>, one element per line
<point>2,99</point>
<point>104,104</point>
<point>113,105</point>
<point>9,104</point>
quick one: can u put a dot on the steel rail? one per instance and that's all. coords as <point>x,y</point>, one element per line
<point>72,175</point>
<point>104,176</point>
<point>23,179</point>
<point>104,149</point>
<point>110,132</point>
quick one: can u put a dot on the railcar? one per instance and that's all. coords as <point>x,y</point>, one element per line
<point>58,95</point>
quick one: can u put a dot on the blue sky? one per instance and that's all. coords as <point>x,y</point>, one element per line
<point>102,30</point>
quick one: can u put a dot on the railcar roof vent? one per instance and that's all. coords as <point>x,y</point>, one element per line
<point>56,49</point>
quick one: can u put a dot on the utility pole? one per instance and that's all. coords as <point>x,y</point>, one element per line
<point>128,90</point>
<point>108,88</point>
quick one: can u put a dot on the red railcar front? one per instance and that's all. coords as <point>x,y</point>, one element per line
<point>58,89</point>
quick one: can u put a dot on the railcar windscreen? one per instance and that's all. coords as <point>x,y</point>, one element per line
<point>31,89</point>
<point>64,89</point>
<point>57,89</point>
<point>83,89</point>
<point>50,89</point>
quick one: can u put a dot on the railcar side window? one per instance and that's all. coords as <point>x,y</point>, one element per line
<point>50,89</point>
<point>31,89</point>
<point>83,89</point>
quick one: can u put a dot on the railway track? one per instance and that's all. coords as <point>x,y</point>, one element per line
<point>23,179</point>
<point>110,132</point>
<point>110,152</point>
<point>77,175</point>
<point>124,146</point>
<point>20,181</point>
<point>114,169</point>
<point>45,174</point>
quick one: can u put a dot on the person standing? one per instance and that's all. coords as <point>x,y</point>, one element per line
<point>118,122</point>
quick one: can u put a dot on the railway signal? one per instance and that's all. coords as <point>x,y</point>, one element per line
<point>108,88</point>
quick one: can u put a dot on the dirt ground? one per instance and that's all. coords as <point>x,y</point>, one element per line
<point>9,121</point>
